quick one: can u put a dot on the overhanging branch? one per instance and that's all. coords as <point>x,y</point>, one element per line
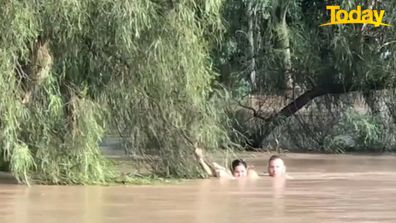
<point>273,121</point>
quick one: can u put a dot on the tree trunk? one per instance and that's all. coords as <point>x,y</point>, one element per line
<point>282,42</point>
<point>251,48</point>
<point>275,120</point>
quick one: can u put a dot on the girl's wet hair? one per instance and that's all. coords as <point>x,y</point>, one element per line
<point>238,162</point>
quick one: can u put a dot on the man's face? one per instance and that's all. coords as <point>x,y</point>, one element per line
<point>276,168</point>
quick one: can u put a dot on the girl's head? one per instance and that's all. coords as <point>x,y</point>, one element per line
<point>239,168</point>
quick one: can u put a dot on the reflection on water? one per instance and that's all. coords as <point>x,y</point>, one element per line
<point>325,188</point>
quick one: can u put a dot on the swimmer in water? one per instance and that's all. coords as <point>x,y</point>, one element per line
<point>239,168</point>
<point>276,167</point>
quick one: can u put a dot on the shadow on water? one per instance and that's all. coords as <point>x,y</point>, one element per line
<point>7,178</point>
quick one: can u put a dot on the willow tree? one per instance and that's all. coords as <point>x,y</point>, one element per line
<point>160,97</point>
<point>70,69</point>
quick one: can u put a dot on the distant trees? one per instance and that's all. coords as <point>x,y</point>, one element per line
<point>301,60</point>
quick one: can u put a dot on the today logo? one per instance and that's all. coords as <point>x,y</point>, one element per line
<point>356,16</point>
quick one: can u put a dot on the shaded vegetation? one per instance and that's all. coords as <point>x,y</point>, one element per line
<point>165,75</point>
<point>71,70</point>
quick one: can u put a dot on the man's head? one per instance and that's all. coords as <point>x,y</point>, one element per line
<point>276,166</point>
<point>239,168</point>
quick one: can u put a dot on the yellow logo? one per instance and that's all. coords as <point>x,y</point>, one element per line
<point>356,16</point>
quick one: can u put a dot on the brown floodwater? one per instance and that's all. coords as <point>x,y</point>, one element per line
<point>324,188</point>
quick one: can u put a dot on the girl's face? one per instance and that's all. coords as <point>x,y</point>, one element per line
<point>240,171</point>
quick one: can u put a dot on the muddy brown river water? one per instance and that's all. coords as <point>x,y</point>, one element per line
<point>324,188</point>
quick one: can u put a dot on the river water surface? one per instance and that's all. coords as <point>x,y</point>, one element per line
<point>324,188</point>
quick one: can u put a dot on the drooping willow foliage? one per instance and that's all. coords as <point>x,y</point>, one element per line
<point>71,70</point>
<point>163,107</point>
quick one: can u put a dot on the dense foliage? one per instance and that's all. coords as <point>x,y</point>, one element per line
<point>166,75</point>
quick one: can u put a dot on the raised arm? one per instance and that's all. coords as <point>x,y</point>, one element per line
<point>212,169</point>
<point>202,162</point>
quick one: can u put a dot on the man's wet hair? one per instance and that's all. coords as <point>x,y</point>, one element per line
<point>238,162</point>
<point>273,157</point>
